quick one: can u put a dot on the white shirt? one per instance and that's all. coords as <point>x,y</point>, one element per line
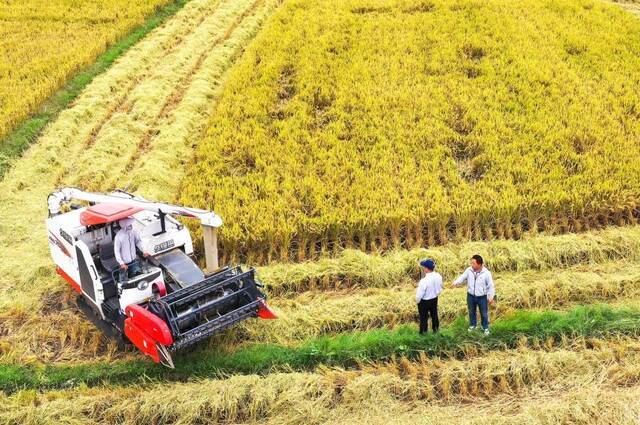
<point>429,287</point>
<point>124,245</point>
<point>478,283</point>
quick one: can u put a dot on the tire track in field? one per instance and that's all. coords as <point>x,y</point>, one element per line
<point>176,97</point>
<point>170,41</point>
<point>119,135</point>
<point>160,169</point>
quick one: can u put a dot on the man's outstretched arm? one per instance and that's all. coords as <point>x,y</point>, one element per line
<point>461,278</point>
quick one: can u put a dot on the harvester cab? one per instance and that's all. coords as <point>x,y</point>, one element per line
<point>170,303</point>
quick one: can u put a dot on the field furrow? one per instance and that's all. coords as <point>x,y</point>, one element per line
<point>171,141</point>
<point>128,74</point>
<point>120,135</point>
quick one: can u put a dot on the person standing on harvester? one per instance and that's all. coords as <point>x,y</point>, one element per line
<point>429,288</point>
<point>480,292</point>
<point>124,247</point>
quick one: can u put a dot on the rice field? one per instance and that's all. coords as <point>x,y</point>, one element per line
<point>385,130</point>
<point>43,43</point>
<point>285,126</point>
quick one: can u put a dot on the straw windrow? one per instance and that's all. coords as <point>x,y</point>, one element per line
<point>317,313</point>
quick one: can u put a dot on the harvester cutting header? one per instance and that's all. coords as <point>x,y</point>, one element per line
<point>164,302</point>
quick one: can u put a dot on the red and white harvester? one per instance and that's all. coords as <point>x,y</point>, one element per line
<point>172,303</point>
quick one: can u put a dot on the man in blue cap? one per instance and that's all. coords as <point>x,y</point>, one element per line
<point>429,288</point>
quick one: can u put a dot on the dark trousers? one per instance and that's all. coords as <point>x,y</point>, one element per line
<point>475,303</point>
<point>428,308</point>
<point>133,269</point>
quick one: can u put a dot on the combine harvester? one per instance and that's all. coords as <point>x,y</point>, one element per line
<point>172,303</point>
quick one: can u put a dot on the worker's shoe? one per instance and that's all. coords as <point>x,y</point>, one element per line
<point>486,332</point>
<point>471,329</point>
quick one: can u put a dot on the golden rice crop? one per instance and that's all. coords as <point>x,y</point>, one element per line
<point>132,126</point>
<point>397,123</point>
<point>44,42</point>
<point>314,397</point>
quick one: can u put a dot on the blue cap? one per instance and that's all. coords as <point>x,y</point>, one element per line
<point>428,263</point>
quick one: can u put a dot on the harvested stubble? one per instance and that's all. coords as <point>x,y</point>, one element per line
<point>345,350</point>
<point>44,42</point>
<point>149,104</point>
<point>353,268</point>
<point>313,396</point>
<point>398,123</point>
<point>632,6</point>
<point>317,313</point>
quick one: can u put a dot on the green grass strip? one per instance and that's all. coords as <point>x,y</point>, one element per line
<point>17,141</point>
<point>345,350</point>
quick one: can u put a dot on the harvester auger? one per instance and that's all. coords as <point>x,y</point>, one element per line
<point>171,304</point>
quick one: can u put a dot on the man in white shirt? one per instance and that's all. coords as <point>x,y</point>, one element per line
<point>480,292</point>
<point>429,288</point>
<point>124,247</point>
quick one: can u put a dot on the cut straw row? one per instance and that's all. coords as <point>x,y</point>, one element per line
<point>70,337</point>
